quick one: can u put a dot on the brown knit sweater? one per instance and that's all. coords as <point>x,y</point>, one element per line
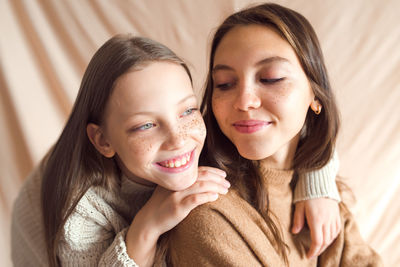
<point>230,232</point>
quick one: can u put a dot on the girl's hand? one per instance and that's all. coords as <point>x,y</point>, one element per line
<point>165,209</point>
<point>323,219</point>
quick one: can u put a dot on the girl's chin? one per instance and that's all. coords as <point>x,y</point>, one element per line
<point>182,185</point>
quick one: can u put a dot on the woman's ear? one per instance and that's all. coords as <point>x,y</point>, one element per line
<point>99,141</point>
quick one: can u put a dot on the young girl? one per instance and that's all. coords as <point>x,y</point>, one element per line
<point>271,116</point>
<point>125,168</point>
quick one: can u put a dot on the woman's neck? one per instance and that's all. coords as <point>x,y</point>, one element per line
<point>283,158</point>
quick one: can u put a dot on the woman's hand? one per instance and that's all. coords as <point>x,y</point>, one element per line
<point>323,219</point>
<point>165,209</point>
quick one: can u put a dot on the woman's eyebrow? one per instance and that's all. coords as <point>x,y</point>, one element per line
<point>261,62</point>
<point>272,59</point>
<point>221,67</point>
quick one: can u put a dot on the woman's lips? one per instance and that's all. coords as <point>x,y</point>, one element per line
<point>177,164</point>
<point>250,126</point>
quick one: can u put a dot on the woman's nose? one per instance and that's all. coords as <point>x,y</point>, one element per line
<point>247,98</point>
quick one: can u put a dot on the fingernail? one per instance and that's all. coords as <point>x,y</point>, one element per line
<point>227,183</point>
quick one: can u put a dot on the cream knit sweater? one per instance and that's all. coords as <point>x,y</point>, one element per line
<point>94,234</point>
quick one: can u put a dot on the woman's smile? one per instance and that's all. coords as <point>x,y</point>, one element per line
<point>250,126</point>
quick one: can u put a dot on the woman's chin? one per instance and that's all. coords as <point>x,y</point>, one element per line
<point>254,155</point>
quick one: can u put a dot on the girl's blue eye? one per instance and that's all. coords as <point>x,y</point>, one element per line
<point>189,111</point>
<point>146,126</point>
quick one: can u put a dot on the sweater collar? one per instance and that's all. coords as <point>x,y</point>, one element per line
<point>276,177</point>
<point>129,186</point>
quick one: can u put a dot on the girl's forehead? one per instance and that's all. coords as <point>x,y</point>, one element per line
<point>158,86</point>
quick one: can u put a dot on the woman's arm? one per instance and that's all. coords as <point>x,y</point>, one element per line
<point>316,199</point>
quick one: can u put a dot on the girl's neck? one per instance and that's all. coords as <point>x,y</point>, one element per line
<point>128,174</point>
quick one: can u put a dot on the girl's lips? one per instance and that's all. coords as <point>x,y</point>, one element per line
<point>177,164</point>
<point>250,126</point>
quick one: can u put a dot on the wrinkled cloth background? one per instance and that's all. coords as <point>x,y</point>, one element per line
<point>46,45</point>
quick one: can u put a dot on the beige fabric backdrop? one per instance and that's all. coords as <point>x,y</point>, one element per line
<point>46,45</point>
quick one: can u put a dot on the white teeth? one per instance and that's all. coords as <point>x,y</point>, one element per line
<point>177,163</point>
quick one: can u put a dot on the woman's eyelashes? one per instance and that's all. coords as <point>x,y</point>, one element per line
<point>267,81</point>
<point>271,80</point>
<point>224,86</point>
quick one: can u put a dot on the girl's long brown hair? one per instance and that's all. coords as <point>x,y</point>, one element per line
<point>74,165</point>
<point>319,132</point>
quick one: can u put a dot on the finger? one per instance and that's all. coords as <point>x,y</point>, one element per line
<point>208,175</point>
<point>192,201</point>
<point>203,187</point>
<point>338,226</point>
<point>327,239</point>
<point>213,170</point>
<point>298,218</point>
<point>316,241</point>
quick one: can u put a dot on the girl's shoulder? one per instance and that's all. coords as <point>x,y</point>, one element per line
<point>94,219</point>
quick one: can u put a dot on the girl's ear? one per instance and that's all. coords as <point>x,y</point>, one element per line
<point>97,138</point>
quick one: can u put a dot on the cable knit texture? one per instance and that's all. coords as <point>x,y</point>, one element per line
<point>230,232</point>
<point>319,183</point>
<point>94,234</point>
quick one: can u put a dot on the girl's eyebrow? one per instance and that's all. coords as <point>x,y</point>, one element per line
<point>261,62</point>
<point>153,112</point>
<point>186,98</point>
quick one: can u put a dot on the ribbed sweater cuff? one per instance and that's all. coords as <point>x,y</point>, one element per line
<point>319,183</point>
<point>116,254</point>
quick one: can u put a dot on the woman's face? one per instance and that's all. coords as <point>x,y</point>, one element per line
<point>261,94</point>
<point>153,125</point>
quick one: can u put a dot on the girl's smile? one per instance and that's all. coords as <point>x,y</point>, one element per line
<point>177,164</point>
<point>153,126</point>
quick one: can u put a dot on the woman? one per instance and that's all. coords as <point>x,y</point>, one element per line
<point>271,116</point>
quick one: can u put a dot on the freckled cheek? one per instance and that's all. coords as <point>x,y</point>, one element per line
<point>193,128</point>
<point>221,108</point>
<point>141,146</point>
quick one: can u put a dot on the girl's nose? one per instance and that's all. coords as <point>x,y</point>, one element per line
<point>247,98</point>
<point>174,139</point>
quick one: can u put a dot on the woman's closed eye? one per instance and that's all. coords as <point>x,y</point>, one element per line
<point>271,80</point>
<point>224,86</point>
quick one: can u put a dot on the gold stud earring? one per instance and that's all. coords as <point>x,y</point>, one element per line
<point>316,107</point>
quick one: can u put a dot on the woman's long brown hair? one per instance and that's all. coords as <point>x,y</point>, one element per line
<point>319,132</point>
<point>74,165</point>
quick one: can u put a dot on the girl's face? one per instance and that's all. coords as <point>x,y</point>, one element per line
<point>261,94</point>
<point>153,125</point>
